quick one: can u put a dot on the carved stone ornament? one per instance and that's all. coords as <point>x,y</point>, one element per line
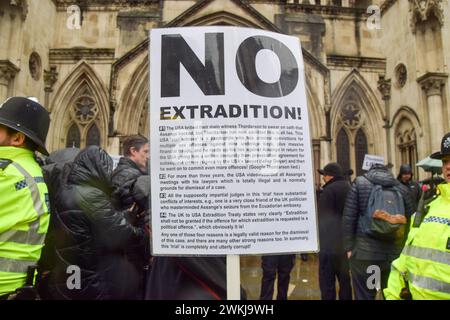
<point>421,10</point>
<point>35,66</point>
<point>432,83</point>
<point>22,5</point>
<point>7,71</point>
<point>351,115</point>
<point>63,4</point>
<point>50,77</point>
<point>84,109</point>
<point>401,75</point>
<point>384,86</point>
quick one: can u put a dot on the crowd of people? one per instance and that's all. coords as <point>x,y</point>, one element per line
<point>73,214</point>
<point>395,237</point>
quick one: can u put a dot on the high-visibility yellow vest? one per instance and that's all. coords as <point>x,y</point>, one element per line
<point>425,259</point>
<point>24,216</point>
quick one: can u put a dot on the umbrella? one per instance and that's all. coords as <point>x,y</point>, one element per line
<point>430,165</point>
<point>63,155</point>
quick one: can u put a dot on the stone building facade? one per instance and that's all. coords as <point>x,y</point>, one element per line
<point>370,90</point>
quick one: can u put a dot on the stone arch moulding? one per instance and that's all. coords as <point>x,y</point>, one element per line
<point>200,14</point>
<point>356,84</point>
<point>82,75</point>
<point>411,115</point>
<point>129,111</point>
<point>404,122</point>
<point>316,114</point>
<point>225,18</point>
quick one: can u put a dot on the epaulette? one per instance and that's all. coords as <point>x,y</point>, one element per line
<point>4,163</point>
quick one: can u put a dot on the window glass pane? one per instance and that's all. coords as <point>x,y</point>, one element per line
<point>93,136</point>
<point>360,151</point>
<point>343,149</point>
<point>73,137</point>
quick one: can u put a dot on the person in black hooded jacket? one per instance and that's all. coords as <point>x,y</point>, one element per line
<point>52,169</point>
<point>333,262</point>
<point>90,235</point>
<point>132,166</point>
<point>405,176</point>
<point>365,252</point>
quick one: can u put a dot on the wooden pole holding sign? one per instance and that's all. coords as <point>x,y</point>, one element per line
<point>233,277</point>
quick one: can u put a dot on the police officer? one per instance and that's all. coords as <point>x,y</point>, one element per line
<point>24,208</point>
<point>423,269</point>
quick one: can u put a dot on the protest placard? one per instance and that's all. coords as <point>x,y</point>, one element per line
<point>230,145</point>
<point>370,160</point>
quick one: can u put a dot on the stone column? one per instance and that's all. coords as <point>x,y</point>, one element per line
<point>113,145</point>
<point>316,161</point>
<point>384,86</point>
<point>432,84</point>
<point>7,73</point>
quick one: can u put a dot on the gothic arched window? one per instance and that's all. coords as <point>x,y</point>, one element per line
<point>84,114</point>
<point>93,136</point>
<point>343,149</point>
<point>360,150</point>
<point>73,137</point>
<point>336,3</point>
<point>406,144</point>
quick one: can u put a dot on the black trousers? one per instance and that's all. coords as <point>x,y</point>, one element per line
<point>362,270</point>
<point>334,266</point>
<point>272,265</point>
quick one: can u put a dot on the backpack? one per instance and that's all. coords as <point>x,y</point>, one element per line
<point>384,218</point>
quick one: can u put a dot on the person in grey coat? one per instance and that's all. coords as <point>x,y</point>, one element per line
<point>367,255</point>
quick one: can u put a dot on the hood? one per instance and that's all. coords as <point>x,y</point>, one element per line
<point>404,168</point>
<point>92,166</point>
<point>382,175</point>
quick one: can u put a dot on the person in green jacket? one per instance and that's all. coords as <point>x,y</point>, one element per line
<point>24,207</point>
<point>423,269</point>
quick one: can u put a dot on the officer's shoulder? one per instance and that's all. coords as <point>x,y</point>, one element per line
<point>4,163</point>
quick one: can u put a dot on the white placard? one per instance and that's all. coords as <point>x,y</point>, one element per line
<point>231,161</point>
<point>370,160</point>
<point>115,158</point>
